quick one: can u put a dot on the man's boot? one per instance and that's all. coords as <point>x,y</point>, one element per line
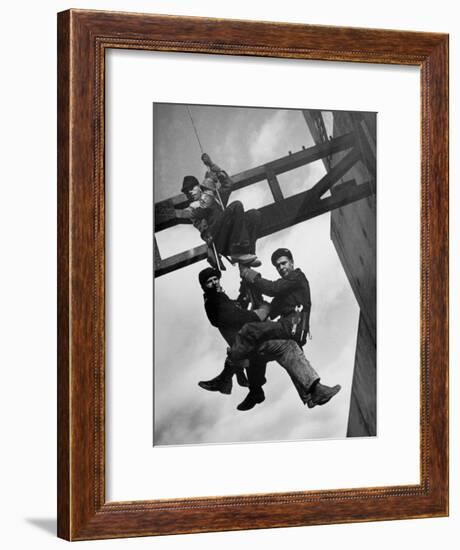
<point>246,259</point>
<point>321,394</point>
<point>254,397</point>
<point>222,382</point>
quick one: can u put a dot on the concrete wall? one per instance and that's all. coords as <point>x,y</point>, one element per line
<point>353,232</point>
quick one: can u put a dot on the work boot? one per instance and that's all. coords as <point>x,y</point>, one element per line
<point>245,259</point>
<point>254,263</point>
<point>222,382</point>
<point>254,397</point>
<point>321,394</point>
<point>309,402</point>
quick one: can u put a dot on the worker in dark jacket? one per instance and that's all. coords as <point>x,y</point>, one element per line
<point>229,228</point>
<point>291,304</point>
<point>228,316</point>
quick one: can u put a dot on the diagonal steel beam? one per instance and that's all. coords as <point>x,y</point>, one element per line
<point>336,172</point>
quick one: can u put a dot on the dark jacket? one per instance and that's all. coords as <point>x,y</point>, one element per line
<point>227,315</point>
<point>206,213</point>
<point>288,292</point>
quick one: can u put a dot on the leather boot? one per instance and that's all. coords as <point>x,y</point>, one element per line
<point>254,397</point>
<point>245,259</point>
<point>321,394</point>
<point>222,382</point>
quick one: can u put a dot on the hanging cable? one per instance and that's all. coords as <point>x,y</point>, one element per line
<point>194,127</point>
<point>220,265</point>
<point>219,198</point>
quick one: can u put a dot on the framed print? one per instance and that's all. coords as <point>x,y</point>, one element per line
<point>252,275</point>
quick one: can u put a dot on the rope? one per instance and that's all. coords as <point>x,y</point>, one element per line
<point>219,198</point>
<point>194,127</point>
<point>220,265</point>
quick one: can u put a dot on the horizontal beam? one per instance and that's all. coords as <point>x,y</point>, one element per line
<point>278,216</point>
<point>296,160</point>
<point>173,263</point>
<point>305,206</point>
<point>165,216</point>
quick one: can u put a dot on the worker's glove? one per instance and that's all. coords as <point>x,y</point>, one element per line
<point>206,159</point>
<point>207,239</point>
<point>248,274</point>
<point>208,184</point>
<point>243,270</point>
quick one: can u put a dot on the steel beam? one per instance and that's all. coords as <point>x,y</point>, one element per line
<point>278,216</point>
<point>336,172</point>
<point>165,215</point>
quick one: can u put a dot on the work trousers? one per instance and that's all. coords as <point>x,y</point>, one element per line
<point>237,231</point>
<point>283,350</point>
<point>274,340</point>
<point>255,367</point>
<point>252,335</point>
<point>255,371</point>
<point>290,356</point>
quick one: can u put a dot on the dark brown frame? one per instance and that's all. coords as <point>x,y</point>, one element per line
<point>83,37</point>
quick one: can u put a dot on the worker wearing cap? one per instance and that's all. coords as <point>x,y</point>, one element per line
<point>232,230</point>
<point>229,317</point>
<point>291,306</point>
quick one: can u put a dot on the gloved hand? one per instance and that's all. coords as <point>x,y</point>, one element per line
<point>243,270</point>
<point>206,159</point>
<point>248,274</point>
<point>207,238</point>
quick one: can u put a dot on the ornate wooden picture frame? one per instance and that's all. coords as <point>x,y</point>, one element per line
<point>83,39</point>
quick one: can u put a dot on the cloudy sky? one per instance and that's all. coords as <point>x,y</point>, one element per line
<point>187,348</point>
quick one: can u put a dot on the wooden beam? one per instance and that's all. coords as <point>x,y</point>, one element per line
<point>278,216</point>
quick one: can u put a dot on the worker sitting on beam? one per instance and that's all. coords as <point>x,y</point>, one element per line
<point>227,230</point>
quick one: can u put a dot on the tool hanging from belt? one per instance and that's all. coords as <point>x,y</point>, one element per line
<point>252,296</point>
<point>217,258</point>
<point>299,330</point>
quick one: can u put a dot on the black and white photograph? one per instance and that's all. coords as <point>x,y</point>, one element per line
<point>265,274</point>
